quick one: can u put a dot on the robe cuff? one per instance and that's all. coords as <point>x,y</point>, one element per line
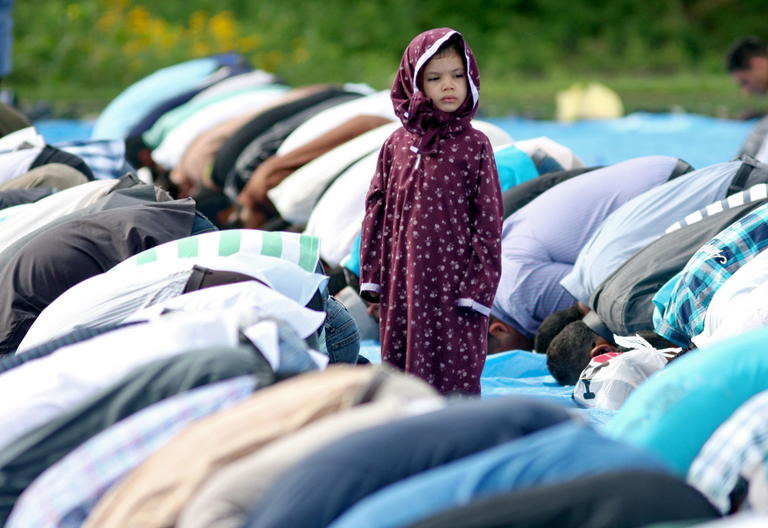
<point>370,286</point>
<point>466,302</point>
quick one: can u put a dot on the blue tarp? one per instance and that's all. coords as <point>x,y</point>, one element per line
<point>520,373</point>
<point>699,140</point>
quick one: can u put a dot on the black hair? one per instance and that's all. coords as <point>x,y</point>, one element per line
<point>453,44</point>
<point>568,353</point>
<point>552,325</point>
<point>742,51</point>
<point>134,145</point>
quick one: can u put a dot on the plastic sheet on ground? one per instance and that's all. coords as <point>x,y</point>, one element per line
<point>517,373</point>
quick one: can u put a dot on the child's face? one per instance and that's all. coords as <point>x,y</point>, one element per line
<point>445,82</point>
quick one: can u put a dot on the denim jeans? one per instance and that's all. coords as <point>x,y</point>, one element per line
<point>342,340</point>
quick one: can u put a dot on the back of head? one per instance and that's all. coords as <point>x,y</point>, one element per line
<point>568,353</point>
<point>552,325</point>
<point>742,51</point>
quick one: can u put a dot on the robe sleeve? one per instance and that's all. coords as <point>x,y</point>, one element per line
<point>372,235</point>
<point>486,211</point>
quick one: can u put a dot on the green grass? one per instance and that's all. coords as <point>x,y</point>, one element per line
<point>77,55</point>
<point>707,94</point>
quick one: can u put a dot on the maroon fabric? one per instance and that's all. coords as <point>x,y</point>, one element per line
<point>432,231</point>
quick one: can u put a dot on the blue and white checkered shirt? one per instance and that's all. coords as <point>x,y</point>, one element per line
<point>738,446</point>
<point>105,157</point>
<point>66,492</point>
<point>683,314</point>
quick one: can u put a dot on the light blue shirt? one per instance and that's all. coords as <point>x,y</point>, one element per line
<point>514,167</point>
<point>641,221</point>
<point>130,106</point>
<point>676,410</point>
<point>555,454</point>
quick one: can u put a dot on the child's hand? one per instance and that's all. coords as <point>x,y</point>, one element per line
<point>373,311</point>
<point>370,296</point>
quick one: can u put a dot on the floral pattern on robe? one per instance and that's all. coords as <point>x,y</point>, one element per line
<point>432,232</point>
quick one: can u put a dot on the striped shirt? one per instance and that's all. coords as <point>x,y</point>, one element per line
<point>683,314</point>
<point>67,491</point>
<point>754,193</point>
<point>737,447</point>
<point>105,157</point>
<point>303,250</point>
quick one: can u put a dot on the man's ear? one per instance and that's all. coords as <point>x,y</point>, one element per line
<point>603,348</point>
<point>498,329</point>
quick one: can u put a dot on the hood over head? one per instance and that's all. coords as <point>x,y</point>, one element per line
<point>417,113</point>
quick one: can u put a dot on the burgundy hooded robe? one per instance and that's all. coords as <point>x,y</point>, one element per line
<point>432,230</point>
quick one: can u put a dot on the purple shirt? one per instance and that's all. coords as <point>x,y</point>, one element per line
<point>541,241</point>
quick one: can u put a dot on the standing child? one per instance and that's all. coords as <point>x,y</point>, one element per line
<point>431,237</point>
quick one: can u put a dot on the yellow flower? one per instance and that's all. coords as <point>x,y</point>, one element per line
<point>223,26</point>
<point>107,21</point>
<point>138,17</point>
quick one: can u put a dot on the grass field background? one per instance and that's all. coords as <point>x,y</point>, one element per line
<point>659,55</point>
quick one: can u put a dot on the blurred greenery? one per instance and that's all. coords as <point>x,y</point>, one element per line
<point>657,54</point>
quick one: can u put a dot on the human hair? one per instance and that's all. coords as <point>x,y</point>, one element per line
<point>552,325</point>
<point>452,45</point>
<point>742,51</point>
<point>133,146</point>
<point>568,353</point>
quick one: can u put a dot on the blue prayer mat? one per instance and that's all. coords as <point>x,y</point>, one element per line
<point>518,373</point>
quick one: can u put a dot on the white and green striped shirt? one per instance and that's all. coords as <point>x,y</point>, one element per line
<point>303,250</point>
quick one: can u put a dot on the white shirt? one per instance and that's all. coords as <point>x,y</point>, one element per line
<point>250,298</point>
<point>740,304</point>
<point>297,194</point>
<point>378,104</point>
<point>17,162</point>
<point>338,215</point>
<point>563,155</point>
<point>112,296</point>
<point>50,208</point>
<point>39,390</point>
<point>18,151</point>
<point>244,81</point>
<point>22,138</point>
<point>762,154</point>
<point>175,143</point>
